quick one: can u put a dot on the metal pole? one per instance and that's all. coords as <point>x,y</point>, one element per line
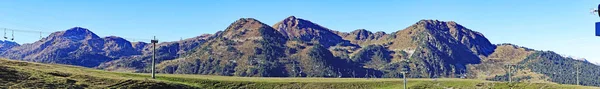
<point>404,74</point>
<point>154,41</point>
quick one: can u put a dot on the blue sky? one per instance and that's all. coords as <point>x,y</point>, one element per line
<point>563,26</point>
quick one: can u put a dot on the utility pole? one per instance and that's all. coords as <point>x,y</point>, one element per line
<point>154,41</point>
<point>405,69</point>
<point>404,76</point>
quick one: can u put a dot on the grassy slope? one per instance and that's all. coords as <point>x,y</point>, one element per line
<point>16,74</point>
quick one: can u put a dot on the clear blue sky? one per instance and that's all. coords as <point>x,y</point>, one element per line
<point>563,26</point>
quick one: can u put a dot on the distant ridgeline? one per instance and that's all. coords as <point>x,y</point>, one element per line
<point>296,47</point>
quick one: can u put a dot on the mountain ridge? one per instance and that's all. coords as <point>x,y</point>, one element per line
<point>296,47</point>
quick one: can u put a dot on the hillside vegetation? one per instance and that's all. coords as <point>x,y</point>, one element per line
<point>18,74</point>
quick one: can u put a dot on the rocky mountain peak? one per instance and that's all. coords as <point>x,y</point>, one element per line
<point>441,25</point>
<point>75,34</point>
<point>454,31</point>
<point>291,18</point>
<point>291,21</point>
<point>358,31</point>
<point>362,34</point>
<point>299,23</point>
<point>304,30</point>
<point>245,27</point>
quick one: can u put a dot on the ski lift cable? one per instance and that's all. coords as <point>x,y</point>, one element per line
<point>27,31</point>
<point>135,39</point>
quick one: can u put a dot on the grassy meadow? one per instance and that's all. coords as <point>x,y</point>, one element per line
<point>18,74</point>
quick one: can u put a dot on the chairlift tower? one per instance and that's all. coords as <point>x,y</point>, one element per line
<point>405,70</point>
<point>154,41</point>
<point>404,76</point>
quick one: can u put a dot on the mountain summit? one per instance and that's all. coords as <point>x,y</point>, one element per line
<point>445,47</point>
<point>248,29</point>
<point>471,39</point>
<point>304,30</point>
<point>75,34</point>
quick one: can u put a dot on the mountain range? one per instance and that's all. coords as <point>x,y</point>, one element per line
<point>296,47</point>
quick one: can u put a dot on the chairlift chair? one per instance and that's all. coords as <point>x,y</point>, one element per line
<point>5,34</point>
<point>13,35</point>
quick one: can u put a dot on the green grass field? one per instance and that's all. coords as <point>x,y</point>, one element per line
<point>17,74</point>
